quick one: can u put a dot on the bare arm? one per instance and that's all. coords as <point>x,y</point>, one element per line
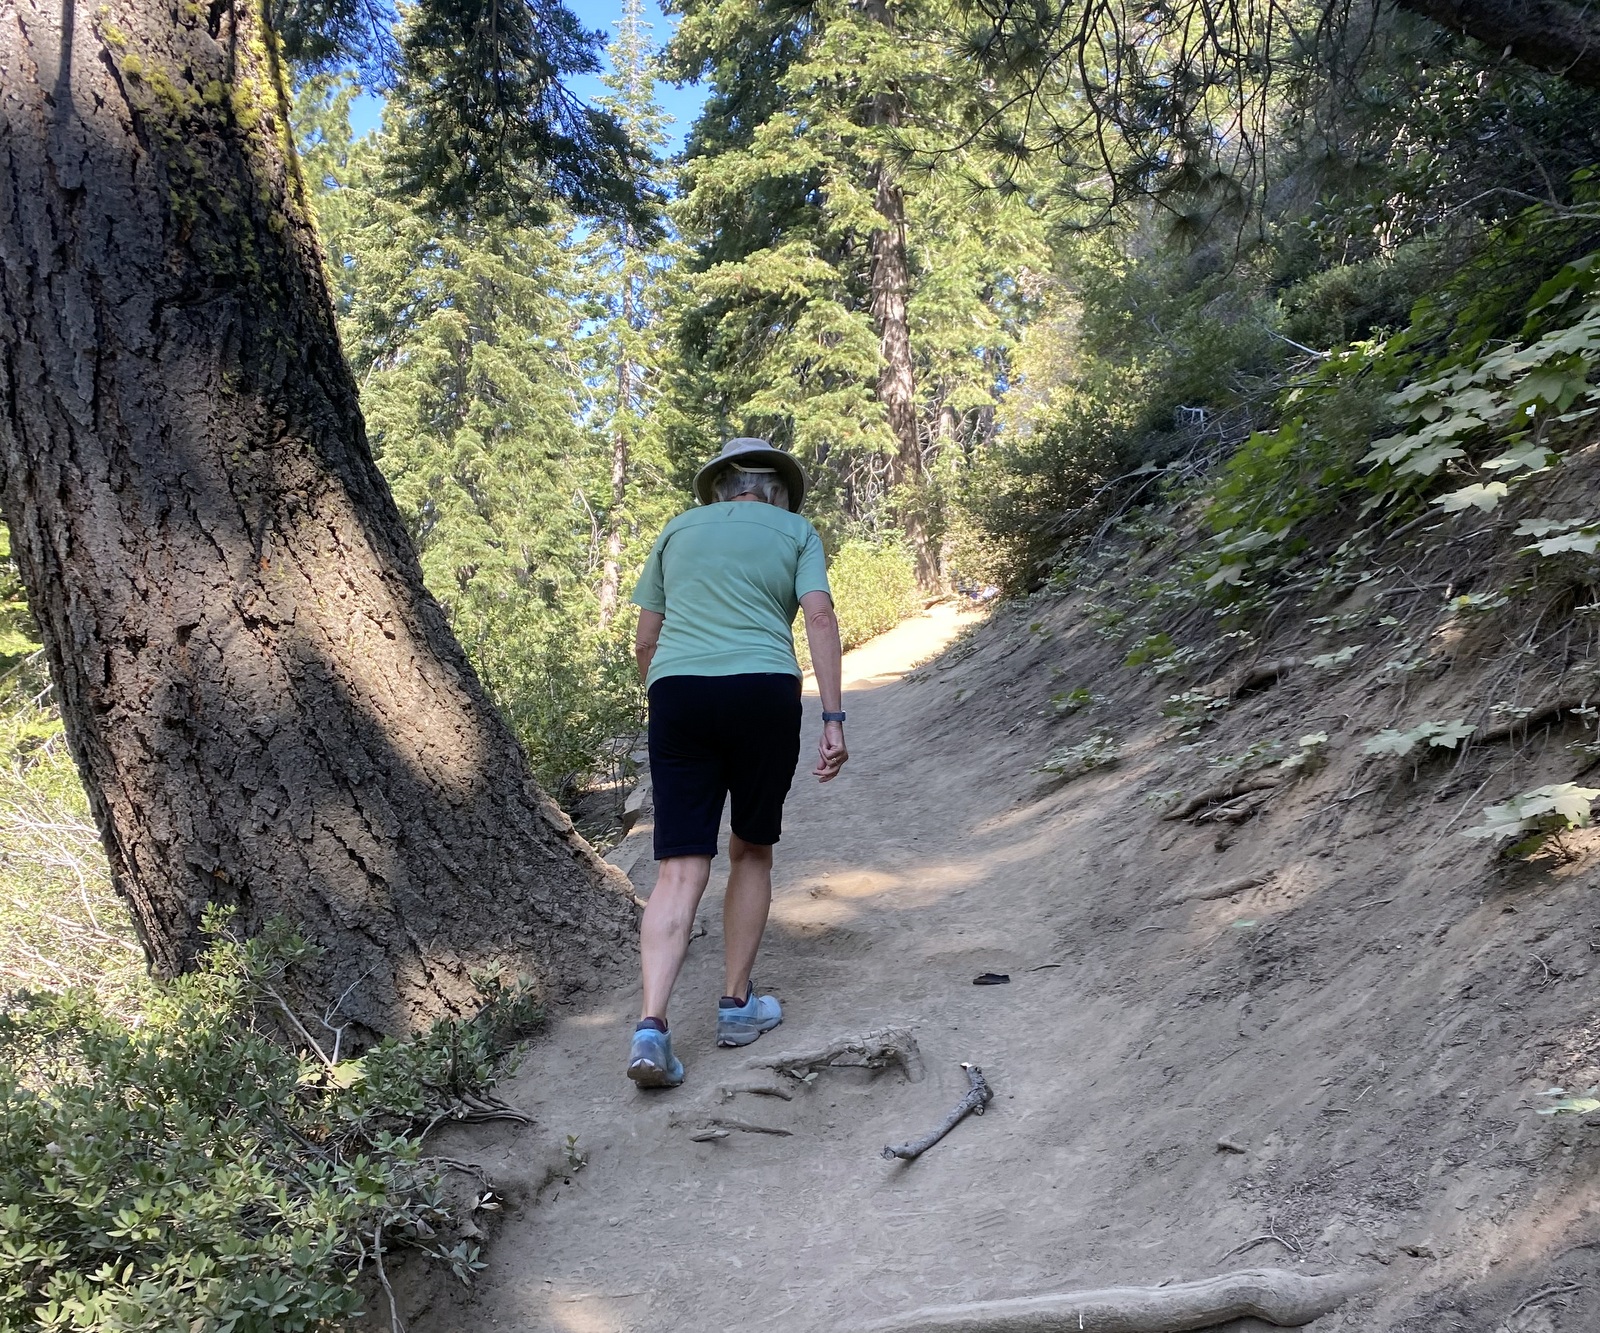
<point>822,633</point>
<point>645,638</point>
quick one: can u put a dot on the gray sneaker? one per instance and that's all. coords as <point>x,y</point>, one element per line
<point>651,1063</point>
<point>741,1026</point>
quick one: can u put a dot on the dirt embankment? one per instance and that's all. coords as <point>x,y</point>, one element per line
<point>1302,1024</point>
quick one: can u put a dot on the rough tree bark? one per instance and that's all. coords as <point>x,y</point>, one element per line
<point>1551,35</point>
<point>891,286</point>
<point>267,708</point>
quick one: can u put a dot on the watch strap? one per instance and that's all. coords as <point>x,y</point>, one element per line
<point>832,717</point>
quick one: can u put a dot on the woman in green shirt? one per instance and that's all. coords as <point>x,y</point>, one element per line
<point>716,600</point>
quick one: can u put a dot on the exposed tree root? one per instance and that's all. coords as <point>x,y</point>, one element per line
<point>1281,1298</point>
<point>717,1127</point>
<point>871,1050</point>
<point>1224,792</point>
<point>758,1087</point>
<point>978,1095</point>
<point>1254,678</point>
<point>1211,892</point>
<point>1523,727</point>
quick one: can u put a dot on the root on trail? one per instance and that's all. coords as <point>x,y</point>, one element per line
<point>1522,727</point>
<point>726,1092</point>
<point>1282,1298</point>
<point>717,1127</point>
<point>1227,791</point>
<point>1211,892</point>
<point>978,1095</point>
<point>870,1050</point>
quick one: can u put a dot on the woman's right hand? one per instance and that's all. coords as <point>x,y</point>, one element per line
<point>831,752</point>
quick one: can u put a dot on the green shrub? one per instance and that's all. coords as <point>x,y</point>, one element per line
<point>191,1172</point>
<point>874,589</point>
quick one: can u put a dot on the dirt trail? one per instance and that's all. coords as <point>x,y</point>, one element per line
<point>1373,1088</point>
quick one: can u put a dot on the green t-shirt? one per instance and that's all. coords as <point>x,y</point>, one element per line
<point>728,578</point>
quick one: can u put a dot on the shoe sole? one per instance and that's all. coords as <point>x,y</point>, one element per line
<point>742,1036</point>
<point>648,1074</point>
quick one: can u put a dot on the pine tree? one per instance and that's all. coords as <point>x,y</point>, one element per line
<point>627,273</point>
<point>826,302</point>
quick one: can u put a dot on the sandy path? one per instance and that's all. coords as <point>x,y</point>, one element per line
<point>872,923</point>
<point>1359,1029</point>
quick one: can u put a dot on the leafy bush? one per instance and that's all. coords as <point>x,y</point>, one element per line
<point>192,1172</point>
<point>874,589</point>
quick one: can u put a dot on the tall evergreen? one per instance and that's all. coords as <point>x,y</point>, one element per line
<point>626,275</point>
<point>832,279</point>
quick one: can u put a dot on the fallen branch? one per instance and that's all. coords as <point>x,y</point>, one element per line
<point>1224,792</point>
<point>978,1095</point>
<point>1235,812</point>
<point>1286,1299</point>
<point>1265,673</point>
<point>1543,716</point>
<point>1212,892</point>
<point>871,1050</point>
<point>717,1127</point>
<point>728,1091</point>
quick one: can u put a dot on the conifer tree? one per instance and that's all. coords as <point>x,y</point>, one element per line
<point>826,287</point>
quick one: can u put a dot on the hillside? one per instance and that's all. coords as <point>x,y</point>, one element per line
<point>1309,1027</point>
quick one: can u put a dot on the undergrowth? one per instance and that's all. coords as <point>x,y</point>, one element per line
<point>189,1170</point>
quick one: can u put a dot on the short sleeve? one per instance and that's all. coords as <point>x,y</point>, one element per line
<point>650,592</point>
<point>811,574</point>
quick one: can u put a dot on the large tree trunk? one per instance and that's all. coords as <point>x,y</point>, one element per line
<point>1552,35</point>
<point>268,710</point>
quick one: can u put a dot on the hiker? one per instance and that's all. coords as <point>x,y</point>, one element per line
<point>716,600</point>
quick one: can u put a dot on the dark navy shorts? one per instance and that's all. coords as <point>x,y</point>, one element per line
<point>716,736</point>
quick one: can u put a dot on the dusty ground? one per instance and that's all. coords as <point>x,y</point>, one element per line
<point>1371,1030</point>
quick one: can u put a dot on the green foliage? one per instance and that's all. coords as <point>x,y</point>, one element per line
<point>1445,735</point>
<point>874,588</point>
<point>190,1171</point>
<point>808,115</point>
<point>61,925</point>
<point>1101,750</point>
<point>488,353</point>
<point>1536,816</point>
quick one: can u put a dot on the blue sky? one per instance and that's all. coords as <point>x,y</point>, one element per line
<point>682,104</point>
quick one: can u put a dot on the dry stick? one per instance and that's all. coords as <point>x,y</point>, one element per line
<point>1225,792</point>
<point>978,1095</point>
<point>728,1091</point>
<point>717,1127</point>
<point>1543,716</point>
<point>1226,889</point>
<point>396,1324</point>
<point>1279,1297</point>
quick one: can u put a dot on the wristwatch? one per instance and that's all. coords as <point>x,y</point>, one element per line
<point>832,717</point>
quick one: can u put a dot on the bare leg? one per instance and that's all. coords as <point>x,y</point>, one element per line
<point>744,911</point>
<point>664,932</point>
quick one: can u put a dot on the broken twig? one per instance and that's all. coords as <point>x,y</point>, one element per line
<point>978,1095</point>
<point>1211,892</point>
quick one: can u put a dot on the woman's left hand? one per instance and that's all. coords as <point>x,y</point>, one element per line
<point>831,752</point>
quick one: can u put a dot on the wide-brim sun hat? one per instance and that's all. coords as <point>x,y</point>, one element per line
<point>753,456</point>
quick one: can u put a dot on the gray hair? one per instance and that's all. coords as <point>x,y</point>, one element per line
<point>763,483</point>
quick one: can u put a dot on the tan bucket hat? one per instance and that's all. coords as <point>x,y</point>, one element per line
<point>753,456</point>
